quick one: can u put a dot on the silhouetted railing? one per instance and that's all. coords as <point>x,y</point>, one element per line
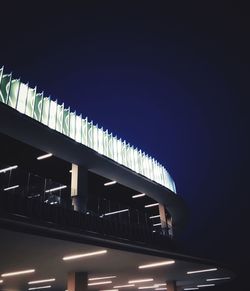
<point>36,211</point>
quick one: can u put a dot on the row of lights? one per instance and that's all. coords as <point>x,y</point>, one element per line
<point>131,283</point>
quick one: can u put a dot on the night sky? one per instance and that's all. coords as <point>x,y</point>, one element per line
<point>170,79</point>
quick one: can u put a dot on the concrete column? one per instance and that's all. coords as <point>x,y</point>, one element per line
<point>163,218</point>
<point>77,281</point>
<point>79,187</point>
<point>171,286</point>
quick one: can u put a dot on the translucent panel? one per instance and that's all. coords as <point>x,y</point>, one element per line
<point>119,151</point>
<point>52,114</point>
<point>110,146</point>
<point>13,93</point>
<point>72,125</point>
<point>59,117</point>
<point>78,128</point>
<point>90,134</point>
<point>100,140</point>
<point>105,143</point>
<point>45,112</point>
<point>95,138</point>
<point>37,113</point>
<point>1,75</point>
<point>22,97</point>
<point>30,102</point>
<point>85,131</point>
<point>65,129</point>
<point>4,90</point>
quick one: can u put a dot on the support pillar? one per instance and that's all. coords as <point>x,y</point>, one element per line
<point>79,188</point>
<point>163,218</point>
<point>171,286</point>
<point>77,281</point>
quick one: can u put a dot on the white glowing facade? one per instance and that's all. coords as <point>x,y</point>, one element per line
<point>28,101</point>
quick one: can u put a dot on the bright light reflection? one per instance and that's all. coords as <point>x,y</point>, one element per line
<point>154,216</point>
<point>206,285</point>
<point>56,189</point>
<point>202,271</point>
<point>40,287</point>
<point>152,265</point>
<point>151,205</point>
<point>84,255</point>
<point>140,280</point>
<point>10,188</point>
<point>110,183</point>
<point>44,157</point>
<point>139,195</point>
<point>148,287</point>
<point>101,278</point>
<point>18,273</point>
<point>41,281</point>
<point>218,279</point>
<point>115,212</point>
<point>125,286</point>
<point>191,288</point>
<point>99,283</point>
<point>8,169</point>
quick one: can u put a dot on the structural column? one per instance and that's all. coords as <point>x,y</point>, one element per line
<point>79,187</point>
<point>171,286</point>
<point>77,281</point>
<point>163,217</point>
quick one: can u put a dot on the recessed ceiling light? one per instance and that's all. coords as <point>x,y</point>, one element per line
<point>147,287</point>
<point>125,286</point>
<point>140,280</point>
<point>18,273</point>
<point>139,195</point>
<point>101,278</point>
<point>41,281</point>
<point>154,216</point>
<point>110,183</point>
<point>99,283</point>
<point>84,255</point>
<point>151,205</point>
<point>152,265</point>
<point>44,157</point>
<point>218,279</point>
<point>1,281</point>
<point>40,287</point>
<point>206,285</point>
<point>10,188</point>
<point>56,189</point>
<point>115,212</point>
<point>8,169</point>
<point>202,271</point>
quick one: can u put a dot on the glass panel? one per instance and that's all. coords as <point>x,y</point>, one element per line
<point>59,117</point>
<point>14,88</point>
<point>52,114</point>
<point>4,90</point>
<point>78,128</point>
<point>37,113</point>
<point>45,112</point>
<point>30,102</point>
<point>65,129</point>
<point>22,97</point>
<point>72,124</point>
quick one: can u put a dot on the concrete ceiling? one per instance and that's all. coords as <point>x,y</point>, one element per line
<point>20,251</point>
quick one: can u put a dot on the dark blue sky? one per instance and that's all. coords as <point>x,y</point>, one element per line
<point>170,79</point>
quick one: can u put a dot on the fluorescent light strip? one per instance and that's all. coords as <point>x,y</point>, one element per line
<point>140,281</point>
<point>101,278</point>
<point>218,279</point>
<point>40,287</point>
<point>192,288</point>
<point>125,286</point>
<point>154,216</point>
<point>115,212</point>
<point>206,285</point>
<point>147,287</point>
<point>44,157</point>
<point>99,283</point>
<point>151,205</point>
<point>110,183</point>
<point>156,224</point>
<point>202,271</point>
<point>110,290</point>
<point>10,188</point>
<point>164,288</point>
<point>8,169</point>
<point>84,255</point>
<point>41,281</point>
<point>164,263</point>
<point>162,284</point>
<point>18,273</point>
<point>139,195</point>
<point>55,189</point>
